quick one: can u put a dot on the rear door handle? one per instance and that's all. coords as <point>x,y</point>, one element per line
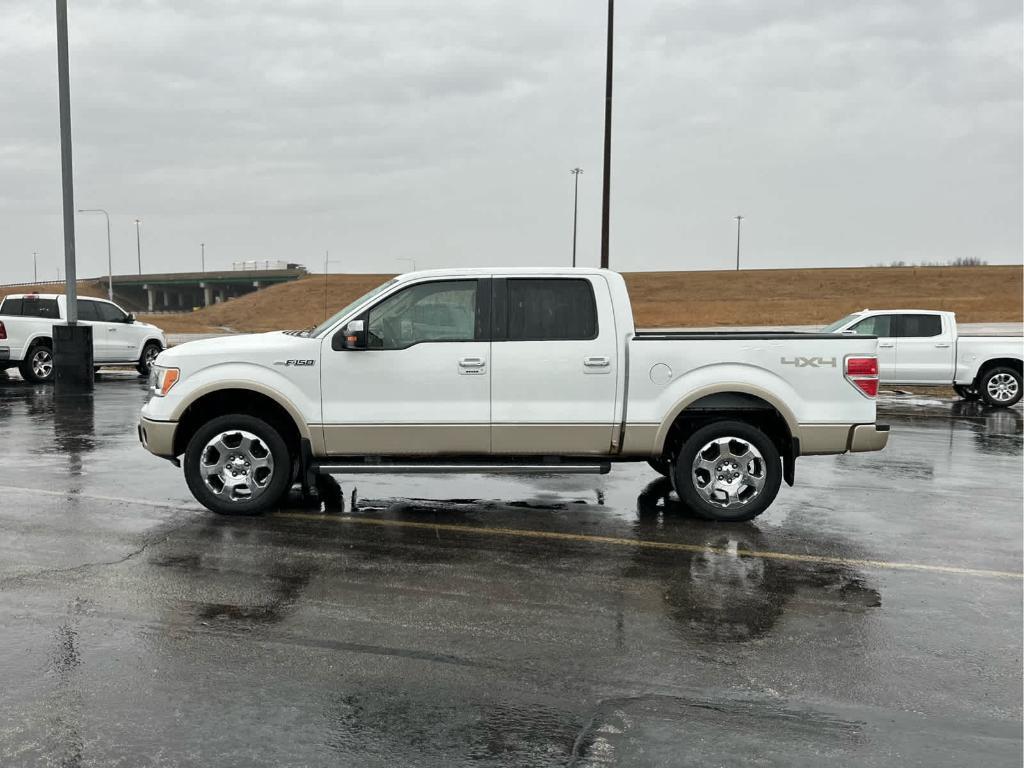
<point>942,346</point>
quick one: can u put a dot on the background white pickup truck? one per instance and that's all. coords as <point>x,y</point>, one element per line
<point>508,370</point>
<point>922,348</point>
<point>26,334</point>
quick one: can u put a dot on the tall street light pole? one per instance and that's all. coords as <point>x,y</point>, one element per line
<point>138,242</point>
<point>202,256</point>
<point>575,206</point>
<point>606,186</point>
<point>739,221</point>
<point>71,361</point>
<point>110,269</point>
<point>35,272</point>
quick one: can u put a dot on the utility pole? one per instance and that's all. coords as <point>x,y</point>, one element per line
<point>202,246</point>
<point>35,272</point>
<point>606,185</point>
<point>110,269</point>
<point>575,205</point>
<point>138,242</point>
<point>739,220</point>
<point>71,363</point>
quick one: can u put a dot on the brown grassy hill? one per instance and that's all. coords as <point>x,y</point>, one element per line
<point>666,299</point>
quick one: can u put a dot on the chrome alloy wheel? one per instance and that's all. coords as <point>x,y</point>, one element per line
<point>42,363</point>
<point>236,465</point>
<point>1002,387</point>
<point>729,472</point>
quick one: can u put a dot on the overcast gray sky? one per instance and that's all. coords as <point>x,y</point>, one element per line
<point>848,133</point>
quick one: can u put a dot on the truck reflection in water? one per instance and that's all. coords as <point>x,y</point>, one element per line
<point>723,592</point>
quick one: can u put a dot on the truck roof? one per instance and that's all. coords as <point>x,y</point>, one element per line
<point>483,271</point>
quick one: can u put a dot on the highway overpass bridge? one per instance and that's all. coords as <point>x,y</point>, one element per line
<point>183,291</point>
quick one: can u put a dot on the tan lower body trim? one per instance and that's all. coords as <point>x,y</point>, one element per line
<point>551,439</point>
<point>406,439</point>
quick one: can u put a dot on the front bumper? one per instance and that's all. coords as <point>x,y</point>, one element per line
<point>157,437</point>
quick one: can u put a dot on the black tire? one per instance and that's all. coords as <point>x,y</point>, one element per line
<point>37,367</point>
<point>966,392</point>
<point>661,465</point>
<point>769,467</point>
<point>149,353</point>
<point>1000,387</point>
<point>232,502</point>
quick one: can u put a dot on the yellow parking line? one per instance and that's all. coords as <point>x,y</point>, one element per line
<point>662,545</point>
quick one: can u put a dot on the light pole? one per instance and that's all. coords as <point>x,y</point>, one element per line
<point>71,363</point>
<point>606,184</point>
<point>575,206</point>
<point>739,220</point>
<point>110,271</point>
<point>138,242</point>
<point>410,260</point>
<point>202,246</point>
<point>35,272</point>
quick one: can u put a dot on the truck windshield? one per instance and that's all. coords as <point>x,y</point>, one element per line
<point>840,323</point>
<point>349,307</point>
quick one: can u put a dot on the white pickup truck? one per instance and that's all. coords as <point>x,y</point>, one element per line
<point>508,370</point>
<point>26,334</point>
<point>922,348</point>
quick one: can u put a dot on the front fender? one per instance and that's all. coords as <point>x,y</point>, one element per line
<point>300,399</point>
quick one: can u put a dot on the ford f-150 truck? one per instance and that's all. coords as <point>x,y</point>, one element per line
<point>26,334</point>
<point>508,370</point>
<point>922,348</point>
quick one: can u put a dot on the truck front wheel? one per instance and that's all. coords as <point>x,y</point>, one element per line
<point>728,471</point>
<point>966,392</point>
<point>237,465</point>
<point>1000,387</point>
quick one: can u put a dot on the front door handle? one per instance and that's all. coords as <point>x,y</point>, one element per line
<point>886,346</point>
<point>111,330</point>
<point>942,345</point>
<point>596,362</point>
<point>471,366</point>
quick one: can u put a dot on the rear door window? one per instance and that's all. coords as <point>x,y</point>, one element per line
<point>879,325</point>
<point>87,310</point>
<point>918,326</point>
<point>551,309</point>
<point>31,307</point>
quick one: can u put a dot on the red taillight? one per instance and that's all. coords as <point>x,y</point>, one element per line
<point>3,331</point>
<point>862,372</point>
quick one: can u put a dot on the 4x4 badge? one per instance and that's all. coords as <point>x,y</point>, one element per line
<point>809,362</point>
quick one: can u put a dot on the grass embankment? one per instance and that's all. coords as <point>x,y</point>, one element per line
<point>668,299</point>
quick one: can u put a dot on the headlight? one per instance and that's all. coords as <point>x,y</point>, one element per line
<point>162,379</point>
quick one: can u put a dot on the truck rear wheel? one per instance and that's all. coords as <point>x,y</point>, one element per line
<point>37,367</point>
<point>237,465</point>
<point>1000,387</point>
<point>728,471</point>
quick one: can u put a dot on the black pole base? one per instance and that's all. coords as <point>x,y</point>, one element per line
<point>72,359</point>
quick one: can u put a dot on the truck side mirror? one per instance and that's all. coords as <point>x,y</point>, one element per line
<point>352,336</point>
<point>130,318</point>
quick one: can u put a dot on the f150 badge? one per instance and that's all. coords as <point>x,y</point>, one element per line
<point>295,362</point>
<point>809,362</point>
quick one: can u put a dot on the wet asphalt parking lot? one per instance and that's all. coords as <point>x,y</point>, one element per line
<point>871,617</point>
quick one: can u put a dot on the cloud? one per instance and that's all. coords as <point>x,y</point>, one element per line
<point>846,132</point>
